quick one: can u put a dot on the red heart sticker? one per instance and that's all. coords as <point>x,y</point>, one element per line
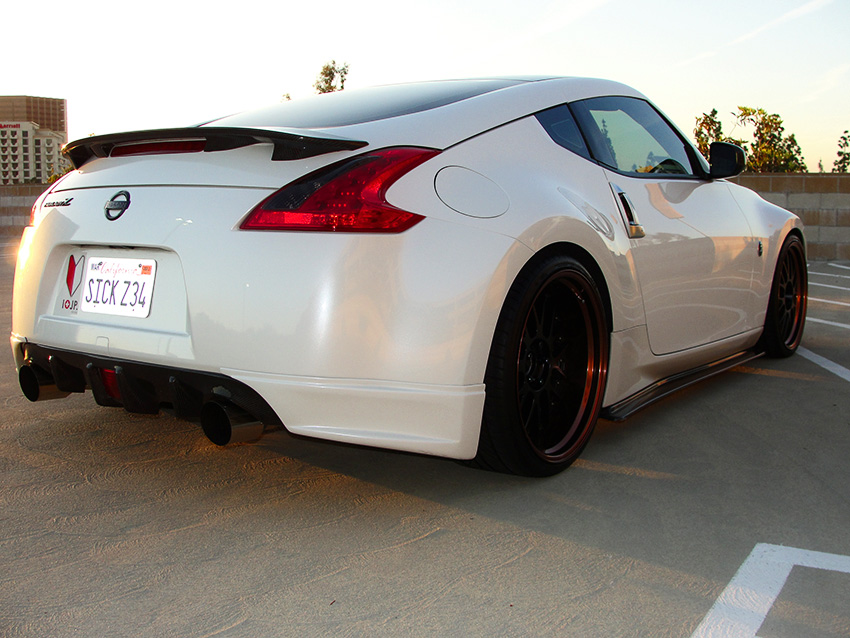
<point>74,277</point>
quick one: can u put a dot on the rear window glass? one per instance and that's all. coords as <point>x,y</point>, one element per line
<point>563,130</point>
<point>356,106</point>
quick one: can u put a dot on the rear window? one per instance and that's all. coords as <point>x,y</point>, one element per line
<point>562,128</point>
<point>356,106</point>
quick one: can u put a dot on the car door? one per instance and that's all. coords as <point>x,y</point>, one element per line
<point>692,246</point>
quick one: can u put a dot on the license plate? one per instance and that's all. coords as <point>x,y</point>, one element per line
<point>115,286</point>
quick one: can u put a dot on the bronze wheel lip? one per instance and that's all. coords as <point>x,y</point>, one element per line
<point>591,314</point>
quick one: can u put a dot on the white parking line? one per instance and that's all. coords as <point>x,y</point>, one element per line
<point>837,303</point>
<point>825,363</point>
<point>744,604</point>
<point>814,283</point>
<point>829,274</point>
<point>840,266</point>
<point>828,323</point>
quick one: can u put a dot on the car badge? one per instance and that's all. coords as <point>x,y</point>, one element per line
<point>60,202</point>
<point>116,206</point>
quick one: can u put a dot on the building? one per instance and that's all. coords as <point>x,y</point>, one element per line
<point>32,132</point>
<point>47,112</point>
<point>29,154</point>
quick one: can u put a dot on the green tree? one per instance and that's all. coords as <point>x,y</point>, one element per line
<point>60,171</point>
<point>709,129</point>
<point>770,151</point>
<point>842,164</point>
<point>331,77</point>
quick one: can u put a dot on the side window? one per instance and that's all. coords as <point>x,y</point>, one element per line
<point>558,122</point>
<point>629,135</point>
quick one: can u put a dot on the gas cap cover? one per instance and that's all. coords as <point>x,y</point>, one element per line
<point>470,193</point>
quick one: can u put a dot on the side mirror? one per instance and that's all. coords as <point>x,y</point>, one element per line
<point>726,160</point>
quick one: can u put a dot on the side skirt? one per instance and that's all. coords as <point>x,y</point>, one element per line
<point>660,389</point>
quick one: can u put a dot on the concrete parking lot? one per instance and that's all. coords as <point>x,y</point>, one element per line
<point>722,510</point>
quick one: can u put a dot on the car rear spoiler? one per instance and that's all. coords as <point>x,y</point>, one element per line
<point>288,144</point>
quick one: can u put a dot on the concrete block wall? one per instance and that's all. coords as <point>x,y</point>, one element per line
<point>15,205</point>
<point>822,200</point>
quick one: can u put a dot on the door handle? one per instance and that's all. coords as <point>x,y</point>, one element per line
<point>633,226</point>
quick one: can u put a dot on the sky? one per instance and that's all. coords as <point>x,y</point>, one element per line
<point>129,66</point>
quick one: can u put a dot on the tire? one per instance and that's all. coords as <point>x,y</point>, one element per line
<point>786,309</point>
<point>546,374</point>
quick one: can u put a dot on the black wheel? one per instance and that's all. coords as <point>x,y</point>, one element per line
<point>546,374</point>
<point>786,310</point>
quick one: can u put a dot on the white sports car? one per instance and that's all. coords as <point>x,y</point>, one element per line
<point>476,269</point>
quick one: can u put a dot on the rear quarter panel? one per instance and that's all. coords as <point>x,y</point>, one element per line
<point>553,197</point>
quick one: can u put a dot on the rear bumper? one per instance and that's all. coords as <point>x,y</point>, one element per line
<point>421,418</point>
<point>426,419</point>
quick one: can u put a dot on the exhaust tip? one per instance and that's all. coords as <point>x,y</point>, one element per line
<point>225,423</point>
<point>29,383</point>
<point>37,385</point>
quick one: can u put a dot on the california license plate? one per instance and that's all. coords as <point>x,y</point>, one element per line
<point>118,286</point>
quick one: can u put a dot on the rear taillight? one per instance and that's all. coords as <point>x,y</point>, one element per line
<point>347,197</point>
<point>163,147</point>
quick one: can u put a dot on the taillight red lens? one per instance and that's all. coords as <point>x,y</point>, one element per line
<point>158,148</point>
<point>348,196</point>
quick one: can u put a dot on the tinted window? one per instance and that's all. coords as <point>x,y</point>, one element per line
<point>629,135</point>
<point>356,106</point>
<point>562,128</point>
